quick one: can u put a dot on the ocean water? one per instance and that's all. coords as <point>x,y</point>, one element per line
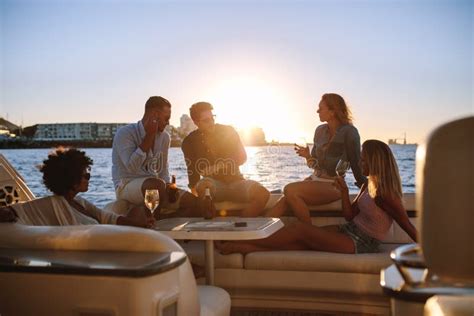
<point>273,166</point>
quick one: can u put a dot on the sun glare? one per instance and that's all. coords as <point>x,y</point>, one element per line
<point>246,102</point>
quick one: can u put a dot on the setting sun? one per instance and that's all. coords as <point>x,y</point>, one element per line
<point>247,102</point>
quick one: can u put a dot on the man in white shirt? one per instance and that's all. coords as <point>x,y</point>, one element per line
<point>140,159</point>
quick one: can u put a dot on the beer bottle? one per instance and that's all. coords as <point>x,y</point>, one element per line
<point>173,190</point>
<point>208,205</point>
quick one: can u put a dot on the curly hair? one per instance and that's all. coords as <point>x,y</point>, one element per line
<point>64,169</point>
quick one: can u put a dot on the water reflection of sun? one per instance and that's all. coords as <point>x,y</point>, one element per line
<point>246,102</point>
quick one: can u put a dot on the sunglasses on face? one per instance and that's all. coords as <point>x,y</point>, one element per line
<point>208,119</point>
<point>86,176</point>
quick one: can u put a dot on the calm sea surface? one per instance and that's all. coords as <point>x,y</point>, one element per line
<point>273,166</point>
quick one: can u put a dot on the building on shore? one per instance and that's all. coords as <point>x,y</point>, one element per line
<point>186,125</point>
<point>76,131</point>
<point>100,134</point>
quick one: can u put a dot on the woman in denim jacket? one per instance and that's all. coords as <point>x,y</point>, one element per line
<point>335,140</point>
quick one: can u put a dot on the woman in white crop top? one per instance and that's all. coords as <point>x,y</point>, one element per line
<point>66,173</point>
<point>369,216</point>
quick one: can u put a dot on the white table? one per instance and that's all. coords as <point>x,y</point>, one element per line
<point>220,228</point>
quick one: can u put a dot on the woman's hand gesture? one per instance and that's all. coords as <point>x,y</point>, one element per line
<point>302,151</point>
<point>341,185</point>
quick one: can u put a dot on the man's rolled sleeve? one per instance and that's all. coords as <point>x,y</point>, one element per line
<point>165,173</point>
<point>132,157</point>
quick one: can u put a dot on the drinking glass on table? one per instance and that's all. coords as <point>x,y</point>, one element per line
<point>152,199</point>
<point>342,166</point>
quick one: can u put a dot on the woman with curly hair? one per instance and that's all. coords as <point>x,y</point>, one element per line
<point>369,217</point>
<point>66,173</point>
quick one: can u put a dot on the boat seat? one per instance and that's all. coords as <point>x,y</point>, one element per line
<point>97,238</point>
<point>319,261</point>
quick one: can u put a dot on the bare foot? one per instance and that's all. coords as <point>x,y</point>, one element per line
<point>220,246</point>
<point>228,247</point>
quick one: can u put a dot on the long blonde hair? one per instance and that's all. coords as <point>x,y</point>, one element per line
<point>336,103</point>
<point>384,178</point>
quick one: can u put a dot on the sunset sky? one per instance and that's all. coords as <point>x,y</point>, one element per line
<point>403,66</point>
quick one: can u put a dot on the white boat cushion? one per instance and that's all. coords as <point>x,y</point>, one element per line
<point>320,261</point>
<point>84,237</point>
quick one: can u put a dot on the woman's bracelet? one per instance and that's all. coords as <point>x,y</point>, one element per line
<point>310,162</point>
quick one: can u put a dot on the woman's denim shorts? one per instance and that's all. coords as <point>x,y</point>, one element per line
<point>363,243</point>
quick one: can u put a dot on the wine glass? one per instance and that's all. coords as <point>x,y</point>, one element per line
<point>300,145</point>
<point>301,142</point>
<point>342,166</point>
<point>152,199</point>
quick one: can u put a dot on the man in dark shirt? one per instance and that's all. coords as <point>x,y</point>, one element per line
<point>215,152</point>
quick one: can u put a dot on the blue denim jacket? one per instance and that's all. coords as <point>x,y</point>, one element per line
<point>345,144</point>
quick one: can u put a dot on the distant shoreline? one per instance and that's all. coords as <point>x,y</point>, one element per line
<point>38,144</point>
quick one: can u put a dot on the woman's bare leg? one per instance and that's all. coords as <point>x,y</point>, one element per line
<point>245,247</point>
<point>279,209</point>
<point>301,194</point>
<point>296,236</point>
<point>228,247</point>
